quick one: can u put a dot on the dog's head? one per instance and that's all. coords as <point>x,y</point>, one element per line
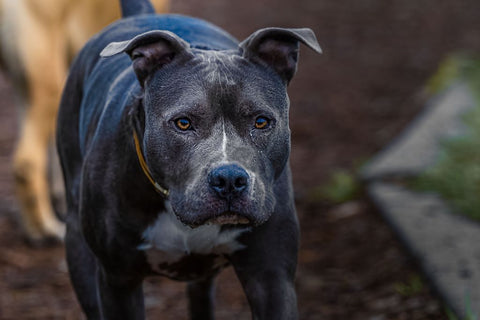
<point>215,123</point>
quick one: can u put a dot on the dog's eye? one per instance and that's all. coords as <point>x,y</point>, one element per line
<point>183,124</point>
<point>261,123</point>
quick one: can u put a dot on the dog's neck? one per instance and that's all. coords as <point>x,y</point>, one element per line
<point>160,189</point>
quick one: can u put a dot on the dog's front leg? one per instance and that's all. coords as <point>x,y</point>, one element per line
<point>41,47</point>
<point>200,296</point>
<point>266,269</point>
<point>120,297</point>
<point>271,294</point>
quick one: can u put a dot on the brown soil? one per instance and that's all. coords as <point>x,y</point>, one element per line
<point>346,105</point>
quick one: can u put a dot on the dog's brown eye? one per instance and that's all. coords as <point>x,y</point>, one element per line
<point>183,124</point>
<point>261,123</point>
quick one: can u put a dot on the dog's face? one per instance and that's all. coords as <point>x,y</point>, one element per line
<point>216,128</point>
<point>218,138</point>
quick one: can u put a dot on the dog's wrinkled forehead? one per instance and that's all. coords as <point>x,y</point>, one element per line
<point>218,67</point>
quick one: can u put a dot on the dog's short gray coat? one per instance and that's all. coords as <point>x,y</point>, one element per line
<point>211,117</point>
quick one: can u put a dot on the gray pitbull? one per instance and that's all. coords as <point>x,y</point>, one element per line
<point>175,158</point>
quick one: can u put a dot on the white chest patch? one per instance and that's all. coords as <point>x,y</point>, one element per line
<point>168,240</point>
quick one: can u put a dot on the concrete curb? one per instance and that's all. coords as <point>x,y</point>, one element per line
<point>417,147</point>
<point>446,245</point>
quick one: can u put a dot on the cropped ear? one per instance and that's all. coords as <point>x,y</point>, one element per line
<point>149,51</point>
<point>278,48</point>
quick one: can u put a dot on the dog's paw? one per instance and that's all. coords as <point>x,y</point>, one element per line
<point>50,234</point>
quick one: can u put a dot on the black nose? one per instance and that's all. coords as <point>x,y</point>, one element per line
<point>228,181</point>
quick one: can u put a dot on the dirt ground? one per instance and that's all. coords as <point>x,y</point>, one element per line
<point>346,105</point>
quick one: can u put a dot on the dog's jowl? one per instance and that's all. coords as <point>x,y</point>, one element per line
<point>174,142</point>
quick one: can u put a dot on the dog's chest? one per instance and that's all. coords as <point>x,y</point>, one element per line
<point>180,252</point>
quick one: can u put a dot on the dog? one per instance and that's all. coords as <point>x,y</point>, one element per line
<point>174,142</point>
<point>38,40</point>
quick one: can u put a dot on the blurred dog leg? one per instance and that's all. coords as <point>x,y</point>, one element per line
<point>41,48</point>
<point>39,40</point>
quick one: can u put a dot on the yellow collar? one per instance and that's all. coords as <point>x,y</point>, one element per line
<point>163,191</point>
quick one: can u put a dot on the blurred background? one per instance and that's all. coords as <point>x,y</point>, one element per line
<point>345,106</point>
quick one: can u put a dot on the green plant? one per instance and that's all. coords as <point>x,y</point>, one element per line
<point>469,314</point>
<point>341,187</point>
<point>411,287</point>
<point>447,71</point>
<point>454,67</point>
<point>456,176</point>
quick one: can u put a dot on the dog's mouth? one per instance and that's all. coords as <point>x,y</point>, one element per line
<point>228,218</point>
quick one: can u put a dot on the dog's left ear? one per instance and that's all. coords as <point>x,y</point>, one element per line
<point>150,51</point>
<point>278,48</point>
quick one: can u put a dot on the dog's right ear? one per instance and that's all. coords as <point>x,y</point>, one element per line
<point>149,51</point>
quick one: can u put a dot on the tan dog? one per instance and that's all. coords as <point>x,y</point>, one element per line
<point>39,39</point>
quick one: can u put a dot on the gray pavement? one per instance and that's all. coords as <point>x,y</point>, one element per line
<point>417,147</point>
<point>446,245</point>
